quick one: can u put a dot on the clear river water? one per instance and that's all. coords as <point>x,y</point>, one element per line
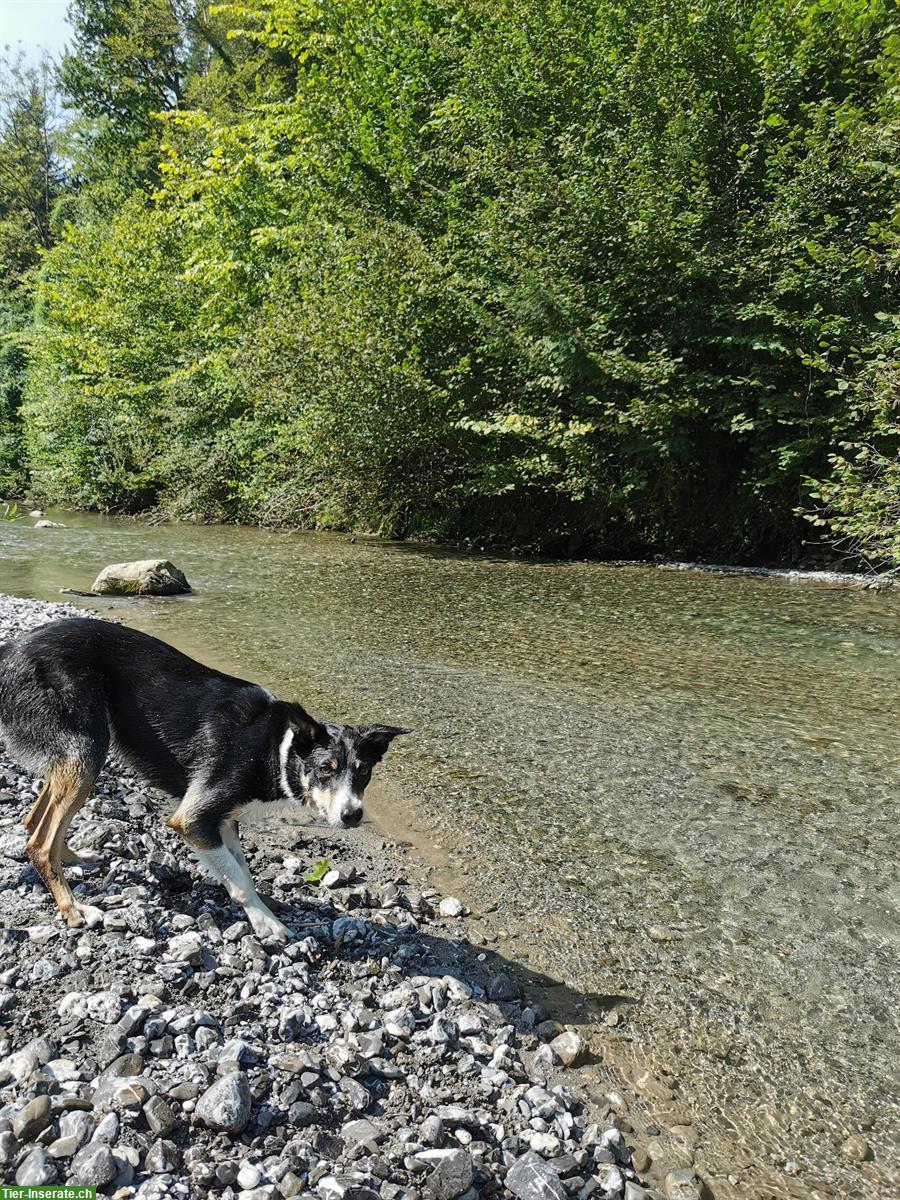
<point>677,792</point>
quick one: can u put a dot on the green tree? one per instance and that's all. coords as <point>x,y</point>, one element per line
<point>31,179</point>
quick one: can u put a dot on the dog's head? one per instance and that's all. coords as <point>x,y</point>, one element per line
<point>329,765</point>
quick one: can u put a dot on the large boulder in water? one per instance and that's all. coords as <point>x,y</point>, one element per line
<point>147,577</point>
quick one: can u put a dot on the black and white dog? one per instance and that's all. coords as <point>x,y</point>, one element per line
<point>76,689</point>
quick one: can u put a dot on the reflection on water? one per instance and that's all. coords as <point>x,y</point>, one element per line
<point>691,779</point>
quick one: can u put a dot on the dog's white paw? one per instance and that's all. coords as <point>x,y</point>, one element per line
<point>84,914</point>
<point>72,858</point>
<point>267,925</point>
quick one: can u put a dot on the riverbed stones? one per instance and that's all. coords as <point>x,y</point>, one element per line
<point>93,1166</point>
<point>855,1148</point>
<point>32,1119</point>
<point>374,1056</point>
<point>144,577</point>
<point>682,1184</point>
<point>569,1048</point>
<point>226,1105</point>
<point>450,1172</point>
<point>531,1178</point>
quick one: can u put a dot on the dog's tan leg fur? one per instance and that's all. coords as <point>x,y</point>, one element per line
<point>68,856</point>
<point>37,809</point>
<point>67,787</point>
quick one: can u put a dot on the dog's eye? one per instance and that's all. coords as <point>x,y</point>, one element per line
<point>325,770</point>
<point>363,769</point>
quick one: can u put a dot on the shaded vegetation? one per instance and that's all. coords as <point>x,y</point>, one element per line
<point>573,276</point>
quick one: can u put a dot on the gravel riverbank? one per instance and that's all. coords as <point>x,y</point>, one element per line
<point>168,1052</point>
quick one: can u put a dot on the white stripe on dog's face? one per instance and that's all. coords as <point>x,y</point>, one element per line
<point>338,804</point>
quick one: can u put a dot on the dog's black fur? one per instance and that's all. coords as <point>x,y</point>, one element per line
<point>75,689</point>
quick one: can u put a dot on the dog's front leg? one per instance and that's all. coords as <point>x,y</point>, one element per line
<point>223,865</point>
<point>218,860</point>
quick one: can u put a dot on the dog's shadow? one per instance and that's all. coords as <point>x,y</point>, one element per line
<point>309,910</point>
<point>415,950</point>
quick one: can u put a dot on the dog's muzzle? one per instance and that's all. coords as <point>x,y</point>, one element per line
<point>351,817</point>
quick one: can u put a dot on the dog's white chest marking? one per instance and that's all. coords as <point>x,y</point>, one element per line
<point>283,751</point>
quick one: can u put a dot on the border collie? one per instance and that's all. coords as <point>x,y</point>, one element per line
<point>77,689</point>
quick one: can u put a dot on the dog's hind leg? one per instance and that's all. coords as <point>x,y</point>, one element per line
<point>37,809</point>
<point>68,785</point>
<point>68,857</point>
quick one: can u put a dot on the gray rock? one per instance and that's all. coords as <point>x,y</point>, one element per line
<point>8,1148</point>
<point>93,1166</point>
<point>357,1133</point>
<point>451,1172</point>
<point>131,1020</point>
<point>682,1184</point>
<point>107,1129</point>
<point>63,1147</point>
<point>341,876</point>
<point>126,1065</point>
<point>36,1169</point>
<point>634,1191</point>
<point>290,1185</point>
<point>569,1047</point>
<point>78,1125</point>
<point>146,577</point>
<point>32,1119</point>
<point>226,1105</point>
<point>530,1178</point>
<point>613,1184</point>
<point>456,1115</point>
<point>855,1148</point>
<point>431,1131</point>
<point>162,1158</point>
<point>249,1176</point>
<point>503,988</point>
<point>345,1187</point>
<point>159,1116</point>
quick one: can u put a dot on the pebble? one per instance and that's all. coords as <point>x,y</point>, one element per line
<point>93,1165</point>
<point>226,1105</point>
<point>569,1047</point>
<point>531,1178</point>
<point>451,1172</point>
<point>855,1148</point>
<point>682,1184</point>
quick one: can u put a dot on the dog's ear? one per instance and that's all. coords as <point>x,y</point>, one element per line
<point>308,732</point>
<point>375,739</point>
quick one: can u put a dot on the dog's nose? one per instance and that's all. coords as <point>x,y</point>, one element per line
<point>351,816</point>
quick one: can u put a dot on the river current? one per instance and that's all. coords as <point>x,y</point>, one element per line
<point>678,790</point>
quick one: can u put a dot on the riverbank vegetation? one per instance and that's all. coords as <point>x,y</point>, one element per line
<point>580,277</point>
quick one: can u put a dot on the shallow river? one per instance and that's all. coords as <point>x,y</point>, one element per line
<point>687,784</point>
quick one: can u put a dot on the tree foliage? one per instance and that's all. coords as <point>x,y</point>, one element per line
<point>575,276</point>
<point>31,179</point>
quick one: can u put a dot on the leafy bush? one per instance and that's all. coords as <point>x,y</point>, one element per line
<point>574,276</point>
